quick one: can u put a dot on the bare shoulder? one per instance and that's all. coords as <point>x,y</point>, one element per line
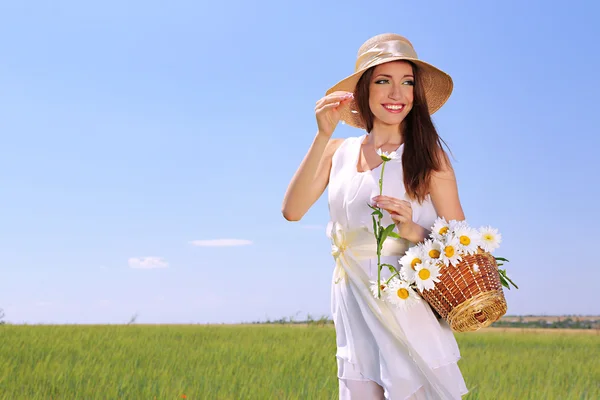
<point>326,160</point>
<point>443,190</point>
<point>324,168</point>
<point>446,170</point>
<point>333,145</point>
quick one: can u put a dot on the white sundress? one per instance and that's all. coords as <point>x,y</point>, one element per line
<point>367,347</point>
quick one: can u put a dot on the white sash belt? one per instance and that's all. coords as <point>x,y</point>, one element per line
<point>348,247</point>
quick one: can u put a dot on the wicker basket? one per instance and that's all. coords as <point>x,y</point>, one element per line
<point>469,296</point>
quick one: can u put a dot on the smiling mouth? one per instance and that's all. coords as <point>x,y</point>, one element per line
<point>394,108</point>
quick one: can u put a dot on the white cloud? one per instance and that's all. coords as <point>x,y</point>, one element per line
<point>147,262</point>
<point>221,242</point>
<point>43,303</point>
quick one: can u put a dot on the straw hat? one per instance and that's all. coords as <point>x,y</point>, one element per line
<point>391,47</point>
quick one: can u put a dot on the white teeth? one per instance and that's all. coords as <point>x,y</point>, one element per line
<point>394,107</point>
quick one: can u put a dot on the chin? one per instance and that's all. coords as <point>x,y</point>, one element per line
<point>386,120</point>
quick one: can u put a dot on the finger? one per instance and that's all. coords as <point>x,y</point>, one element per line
<point>397,206</point>
<point>329,107</point>
<point>393,199</point>
<point>405,203</point>
<point>385,204</point>
<point>399,218</point>
<point>338,102</point>
<point>405,207</point>
<point>388,203</point>
<point>340,92</point>
<point>395,211</point>
<point>335,98</point>
<point>326,107</point>
<point>399,212</point>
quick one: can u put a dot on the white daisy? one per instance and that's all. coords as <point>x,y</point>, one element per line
<point>455,225</point>
<point>468,238</point>
<point>451,252</point>
<point>394,280</point>
<point>440,228</point>
<point>407,274</point>
<point>402,295</point>
<point>388,156</point>
<point>384,287</point>
<point>490,238</point>
<point>411,258</point>
<point>427,274</point>
<point>432,249</point>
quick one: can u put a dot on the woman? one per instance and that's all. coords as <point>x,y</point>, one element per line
<point>383,351</point>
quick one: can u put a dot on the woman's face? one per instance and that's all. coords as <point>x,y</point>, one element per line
<point>391,92</point>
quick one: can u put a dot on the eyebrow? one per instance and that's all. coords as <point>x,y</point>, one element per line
<point>389,76</point>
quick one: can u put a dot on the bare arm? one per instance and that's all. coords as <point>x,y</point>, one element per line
<point>311,178</point>
<point>444,192</point>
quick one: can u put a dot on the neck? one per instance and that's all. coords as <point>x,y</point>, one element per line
<point>383,136</point>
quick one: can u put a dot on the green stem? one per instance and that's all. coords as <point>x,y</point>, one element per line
<point>381,179</point>
<point>378,234</point>
<point>390,278</point>
<point>378,270</point>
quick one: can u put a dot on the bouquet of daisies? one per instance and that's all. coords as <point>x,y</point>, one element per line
<point>423,264</point>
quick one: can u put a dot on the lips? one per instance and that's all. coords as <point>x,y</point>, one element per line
<point>394,108</point>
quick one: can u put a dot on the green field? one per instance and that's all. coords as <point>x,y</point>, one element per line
<point>264,362</point>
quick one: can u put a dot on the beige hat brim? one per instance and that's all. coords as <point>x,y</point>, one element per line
<point>437,86</point>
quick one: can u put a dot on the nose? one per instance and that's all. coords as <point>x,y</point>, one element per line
<point>395,92</point>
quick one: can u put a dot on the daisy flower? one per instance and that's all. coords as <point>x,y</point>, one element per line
<point>440,228</point>
<point>427,274</point>
<point>384,287</point>
<point>394,281</point>
<point>468,238</point>
<point>402,295</point>
<point>490,238</point>
<point>451,251</point>
<point>388,156</point>
<point>455,225</point>
<point>432,249</point>
<point>411,258</point>
<point>407,274</point>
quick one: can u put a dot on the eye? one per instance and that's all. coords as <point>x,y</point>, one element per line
<point>412,83</point>
<point>382,80</point>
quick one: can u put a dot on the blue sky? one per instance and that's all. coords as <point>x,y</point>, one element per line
<point>131,132</point>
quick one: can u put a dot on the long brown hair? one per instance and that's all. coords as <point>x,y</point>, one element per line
<point>422,144</point>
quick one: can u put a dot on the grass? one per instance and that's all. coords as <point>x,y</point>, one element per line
<point>513,365</point>
<point>264,362</point>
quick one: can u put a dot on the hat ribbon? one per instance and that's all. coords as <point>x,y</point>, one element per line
<point>382,51</point>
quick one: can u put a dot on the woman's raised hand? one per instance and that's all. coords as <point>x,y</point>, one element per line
<point>327,111</point>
